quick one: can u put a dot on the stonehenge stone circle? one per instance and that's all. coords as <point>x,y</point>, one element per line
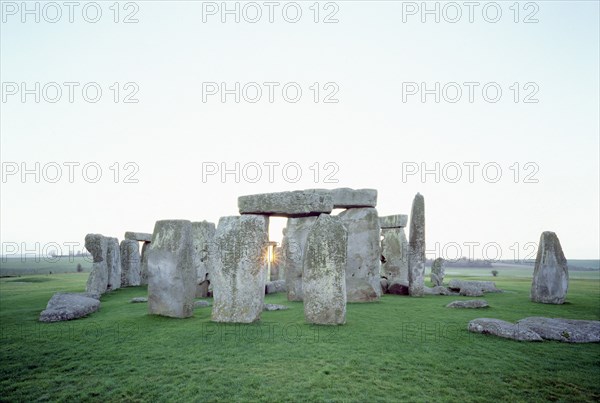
<point>416,247</point>
<point>171,274</point>
<point>97,245</point>
<point>551,272</point>
<point>294,250</point>
<point>437,272</point>
<point>363,264</point>
<point>130,263</point>
<point>298,203</point>
<point>239,270</point>
<point>203,233</point>
<point>324,278</point>
<point>113,260</point>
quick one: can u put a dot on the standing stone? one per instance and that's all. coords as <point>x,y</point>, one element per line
<point>171,274</point>
<point>294,247</point>
<point>551,273</point>
<point>97,245</point>
<point>144,264</point>
<point>363,257</point>
<point>394,255</point>
<point>324,276</point>
<point>113,260</point>
<point>130,263</point>
<point>416,247</point>
<point>240,269</point>
<point>437,272</point>
<point>202,236</point>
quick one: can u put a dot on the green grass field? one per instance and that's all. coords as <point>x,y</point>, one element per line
<point>401,348</point>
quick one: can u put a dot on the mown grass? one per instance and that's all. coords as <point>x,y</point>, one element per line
<point>400,348</point>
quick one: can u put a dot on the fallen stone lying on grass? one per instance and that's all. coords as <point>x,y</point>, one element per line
<point>472,303</point>
<point>540,328</point>
<point>503,329</point>
<point>275,307</point>
<point>565,330</point>
<point>138,300</point>
<point>485,286</point>
<point>68,306</point>
<point>201,304</point>
<point>438,290</point>
<point>471,291</point>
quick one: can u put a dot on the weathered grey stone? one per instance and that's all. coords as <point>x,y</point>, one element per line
<point>394,254</point>
<point>203,234</point>
<point>472,303</point>
<point>298,203</point>
<point>398,288</point>
<point>294,248</point>
<point>276,286</point>
<point>144,264</point>
<point>67,306</point>
<point>471,291</point>
<point>240,271</point>
<point>485,286</point>
<point>565,330</point>
<point>437,271</point>
<point>324,278</point>
<point>275,307</point>
<point>416,247</point>
<point>437,290</point>
<point>350,198</point>
<point>113,261</point>
<point>137,300</point>
<point>130,263</point>
<point>97,245</point>
<point>363,258</point>
<point>171,274</point>
<point>503,329</point>
<point>201,304</point>
<point>551,272</point>
<point>393,221</point>
<point>138,236</point>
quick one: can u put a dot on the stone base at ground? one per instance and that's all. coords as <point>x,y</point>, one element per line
<point>68,306</point>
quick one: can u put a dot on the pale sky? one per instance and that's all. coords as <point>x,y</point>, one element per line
<point>372,61</point>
